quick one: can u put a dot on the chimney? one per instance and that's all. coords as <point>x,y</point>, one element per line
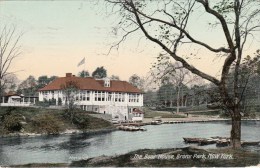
<point>68,74</point>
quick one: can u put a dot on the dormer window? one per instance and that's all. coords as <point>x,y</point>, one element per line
<point>106,82</point>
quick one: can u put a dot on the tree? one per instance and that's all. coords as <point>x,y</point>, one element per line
<point>44,80</point>
<point>70,91</point>
<point>168,73</point>
<point>100,73</point>
<point>166,94</point>
<point>166,24</point>
<point>137,81</point>
<point>9,50</point>
<point>10,83</point>
<point>114,77</point>
<point>28,87</point>
<point>83,74</point>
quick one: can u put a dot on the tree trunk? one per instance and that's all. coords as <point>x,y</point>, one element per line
<point>236,129</point>
<point>178,101</point>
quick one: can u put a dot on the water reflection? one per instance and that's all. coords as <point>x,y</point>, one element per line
<point>65,148</point>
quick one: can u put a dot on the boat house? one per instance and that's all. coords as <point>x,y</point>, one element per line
<point>118,98</point>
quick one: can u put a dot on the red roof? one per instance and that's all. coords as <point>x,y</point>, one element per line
<point>11,94</point>
<point>90,83</point>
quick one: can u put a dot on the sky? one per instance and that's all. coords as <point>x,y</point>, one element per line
<point>57,35</point>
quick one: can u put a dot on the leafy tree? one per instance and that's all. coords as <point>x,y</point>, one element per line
<point>166,95</point>
<point>166,24</point>
<point>100,73</point>
<point>44,80</point>
<point>83,74</point>
<point>151,98</point>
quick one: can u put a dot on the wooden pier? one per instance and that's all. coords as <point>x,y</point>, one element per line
<point>219,141</point>
<point>130,128</point>
<point>194,121</point>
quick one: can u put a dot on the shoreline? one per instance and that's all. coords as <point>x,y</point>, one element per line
<point>165,157</point>
<point>196,118</point>
<point>66,132</point>
<point>146,121</point>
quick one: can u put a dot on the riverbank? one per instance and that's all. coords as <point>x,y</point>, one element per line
<point>175,157</point>
<point>24,121</point>
<point>195,118</point>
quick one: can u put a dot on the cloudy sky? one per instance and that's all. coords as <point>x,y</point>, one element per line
<point>57,35</point>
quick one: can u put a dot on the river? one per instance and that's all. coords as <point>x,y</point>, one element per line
<point>66,148</point>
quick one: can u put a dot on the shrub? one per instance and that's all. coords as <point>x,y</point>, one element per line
<point>47,123</point>
<point>81,121</point>
<point>12,122</point>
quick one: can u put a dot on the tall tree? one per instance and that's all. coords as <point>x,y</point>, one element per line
<point>137,81</point>
<point>100,73</point>
<point>44,80</point>
<point>9,50</point>
<point>166,72</point>
<point>166,23</point>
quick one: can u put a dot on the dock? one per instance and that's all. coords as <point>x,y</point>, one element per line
<point>219,141</point>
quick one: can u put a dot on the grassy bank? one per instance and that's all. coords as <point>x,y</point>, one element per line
<point>46,121</point>
<point>164,114</point>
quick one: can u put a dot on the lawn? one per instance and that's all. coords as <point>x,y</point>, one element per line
<point>164,114</point>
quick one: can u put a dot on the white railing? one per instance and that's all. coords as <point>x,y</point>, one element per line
<point>16,104</point>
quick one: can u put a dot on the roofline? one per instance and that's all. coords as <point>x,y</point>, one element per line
<point>40,90</point>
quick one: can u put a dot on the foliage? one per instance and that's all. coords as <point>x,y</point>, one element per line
<point>100,73</point>
<point>44,80</point>
<point>114,77</point>
<point>28,86</point>
<point>50,121</point>
<point>83,74</point>
<point>46,123</point>
<point>12,122</point>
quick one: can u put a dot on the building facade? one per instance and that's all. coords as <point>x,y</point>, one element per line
<point>118,98</point>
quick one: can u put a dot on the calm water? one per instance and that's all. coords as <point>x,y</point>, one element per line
<point>66,148</point>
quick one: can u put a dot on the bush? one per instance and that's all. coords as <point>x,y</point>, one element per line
<point>81,121</point>
<point>47,123</point>
<point>12,122</point>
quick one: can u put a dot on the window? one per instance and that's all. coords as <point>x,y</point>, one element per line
<point>107,83</point>
<point>133,98</point>
<point>102,96</point>
<point>85,95</point>
<point>109,96</point>
<point>99,96</point>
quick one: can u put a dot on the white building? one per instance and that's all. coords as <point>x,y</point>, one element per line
<point>118,98</point>
<point>14,99</point>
